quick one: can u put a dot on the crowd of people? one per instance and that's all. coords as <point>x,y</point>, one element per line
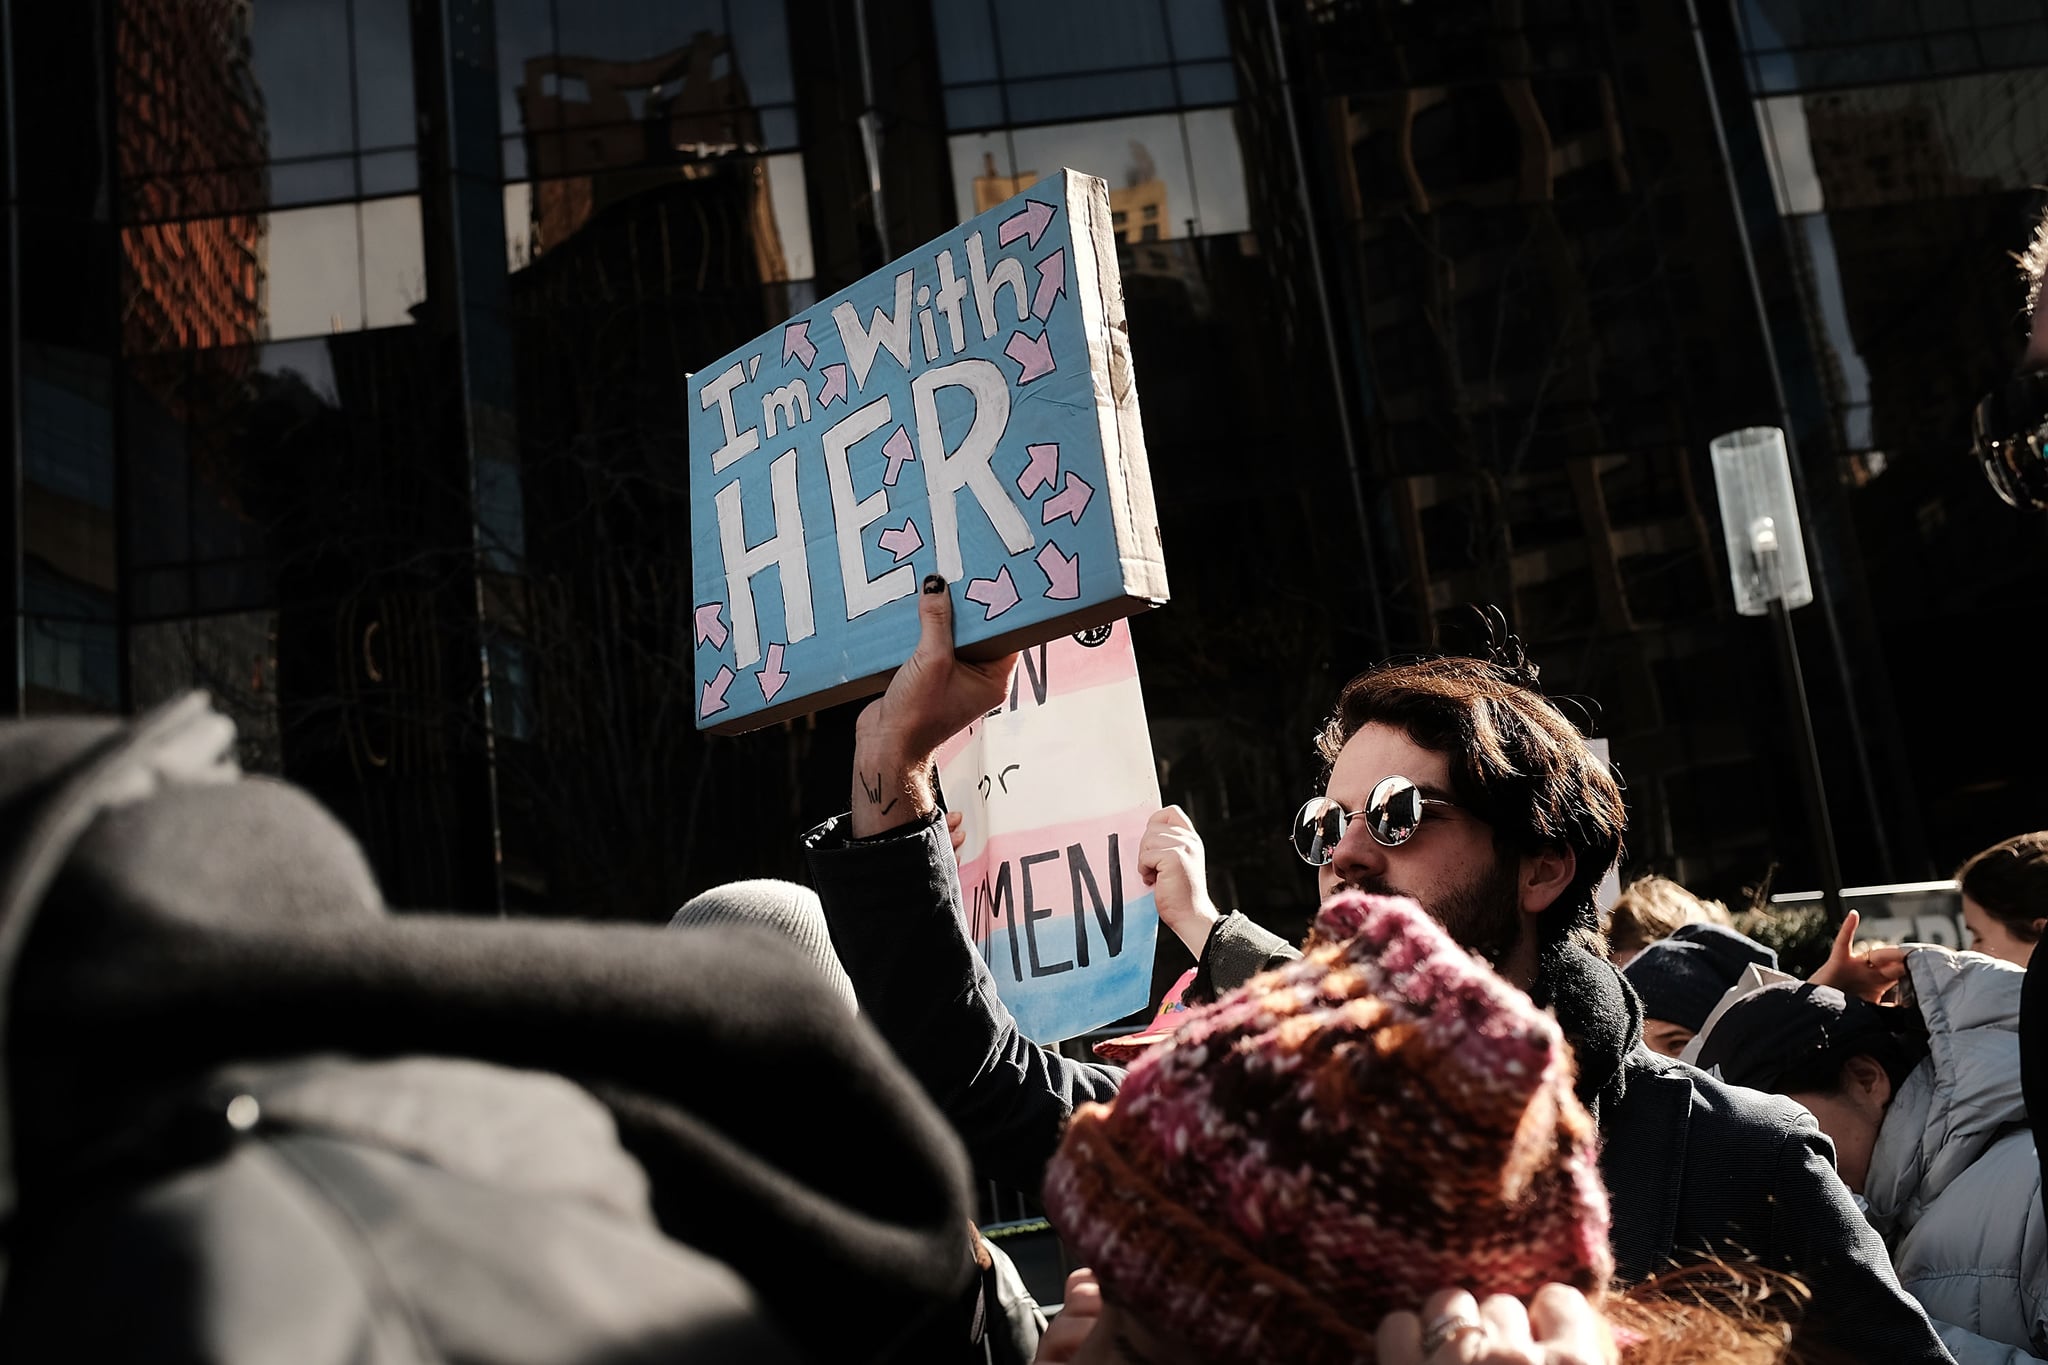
<point>247,1114</point>
<point>1458,798</point>
<point>251,1115</point>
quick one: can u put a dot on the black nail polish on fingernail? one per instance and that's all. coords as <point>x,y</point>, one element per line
<point>934,583</point>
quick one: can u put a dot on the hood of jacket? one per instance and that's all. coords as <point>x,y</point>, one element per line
<point>1600,1016</point>
<point>163,917</point>
<point>1963,1097</point>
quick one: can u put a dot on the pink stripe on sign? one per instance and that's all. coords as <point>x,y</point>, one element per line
<point>1068,667</point>
<point>1093,837</point>
<point>1074,666</point>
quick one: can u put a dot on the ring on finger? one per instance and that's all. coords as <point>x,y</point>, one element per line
<point>1447,1328</point>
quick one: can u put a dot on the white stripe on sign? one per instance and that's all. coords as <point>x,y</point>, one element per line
<point>1053,763</point>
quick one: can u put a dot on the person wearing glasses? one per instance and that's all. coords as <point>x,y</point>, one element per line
<point>1453,782</point>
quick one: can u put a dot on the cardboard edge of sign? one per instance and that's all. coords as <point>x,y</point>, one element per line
<point>1099,288</point>
<point>1098,614</point>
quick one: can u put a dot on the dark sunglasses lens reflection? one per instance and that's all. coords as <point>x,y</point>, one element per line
<point>2010,440</point>
<point>1318,827</point>
<point>1395,811</point>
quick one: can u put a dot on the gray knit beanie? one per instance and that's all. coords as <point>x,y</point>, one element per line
<point>792,911</point>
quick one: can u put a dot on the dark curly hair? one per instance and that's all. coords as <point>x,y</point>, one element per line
<point>1516,762</point>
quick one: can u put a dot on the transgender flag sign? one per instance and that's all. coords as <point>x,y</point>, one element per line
<point>1055,787</point>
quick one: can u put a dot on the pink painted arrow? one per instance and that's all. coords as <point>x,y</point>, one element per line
<point>771,677</point>
<point>1070,501</point>
<point>897,448</point>
<point>1028,222</point>
<point>996,595</point>
<point>714,692</point>
<point>1033,353</point>
<point>902,543</point>
<point>1043,471</point>
<point>709,627</point>
<point>1062,573</point>
<point>835,385</point>
<point>1052,282</point>
<point>796,341</point>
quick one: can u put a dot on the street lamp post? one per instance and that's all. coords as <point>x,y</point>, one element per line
<point>1767,565</point>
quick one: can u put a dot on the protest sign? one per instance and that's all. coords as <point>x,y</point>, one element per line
<point>968,410</point>
<point>1055,786</point>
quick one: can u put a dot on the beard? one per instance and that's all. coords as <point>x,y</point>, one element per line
<point>1483,916</point>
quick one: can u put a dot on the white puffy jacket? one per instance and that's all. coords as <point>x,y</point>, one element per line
<point>1954,1186</point>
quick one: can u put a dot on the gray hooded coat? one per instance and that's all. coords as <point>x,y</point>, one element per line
<point>1954,1186</point>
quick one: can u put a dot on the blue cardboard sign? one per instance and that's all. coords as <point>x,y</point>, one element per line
<point>968,410</point>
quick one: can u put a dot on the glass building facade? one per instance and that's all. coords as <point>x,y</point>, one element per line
<point>347,339</point>
<point>1904,146</point>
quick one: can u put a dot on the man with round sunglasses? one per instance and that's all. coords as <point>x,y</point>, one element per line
<point>1451,781</point>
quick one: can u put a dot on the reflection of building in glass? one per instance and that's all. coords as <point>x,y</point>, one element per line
<point>1447,316</point>
<point>1537,275</point>
<point>1902,193</point>
<point>1860,149</point>
<point>69,563</point>
<point>193,143</point>
<point>1885,150</point>
<point>648,123</point>
<point>189,257</point>
<point>1147,253</point>
<point>1138,212</point>
<point>991,188</point>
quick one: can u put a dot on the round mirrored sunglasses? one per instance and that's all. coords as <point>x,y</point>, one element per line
<point>2009,433</point>
<point>1392,814</point>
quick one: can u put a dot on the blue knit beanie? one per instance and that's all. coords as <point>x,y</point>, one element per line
<point>1682,978</point>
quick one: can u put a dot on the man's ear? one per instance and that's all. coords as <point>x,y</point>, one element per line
<point>1544,876</point>
<point>1864,1078</point>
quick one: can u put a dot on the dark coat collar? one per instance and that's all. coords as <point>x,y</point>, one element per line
<point>1600,1016</point>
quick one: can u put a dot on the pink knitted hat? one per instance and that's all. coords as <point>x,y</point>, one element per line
<point>1334,1140</point>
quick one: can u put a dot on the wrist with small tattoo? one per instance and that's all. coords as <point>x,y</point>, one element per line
<point>890,790</point>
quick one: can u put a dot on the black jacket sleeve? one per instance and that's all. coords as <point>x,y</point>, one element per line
<point>1236,951</point>
<point>893,906</point>
<point>1858,1307</point>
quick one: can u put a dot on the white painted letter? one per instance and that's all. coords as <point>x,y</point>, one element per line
<point>786,401</point>
<point>952,289</point>
<point>882,331</point>
<point>968,467</point>
<point>784,549</point>
<point>737,442</point>
<point>1009,271</point>
<point>851,517</point>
